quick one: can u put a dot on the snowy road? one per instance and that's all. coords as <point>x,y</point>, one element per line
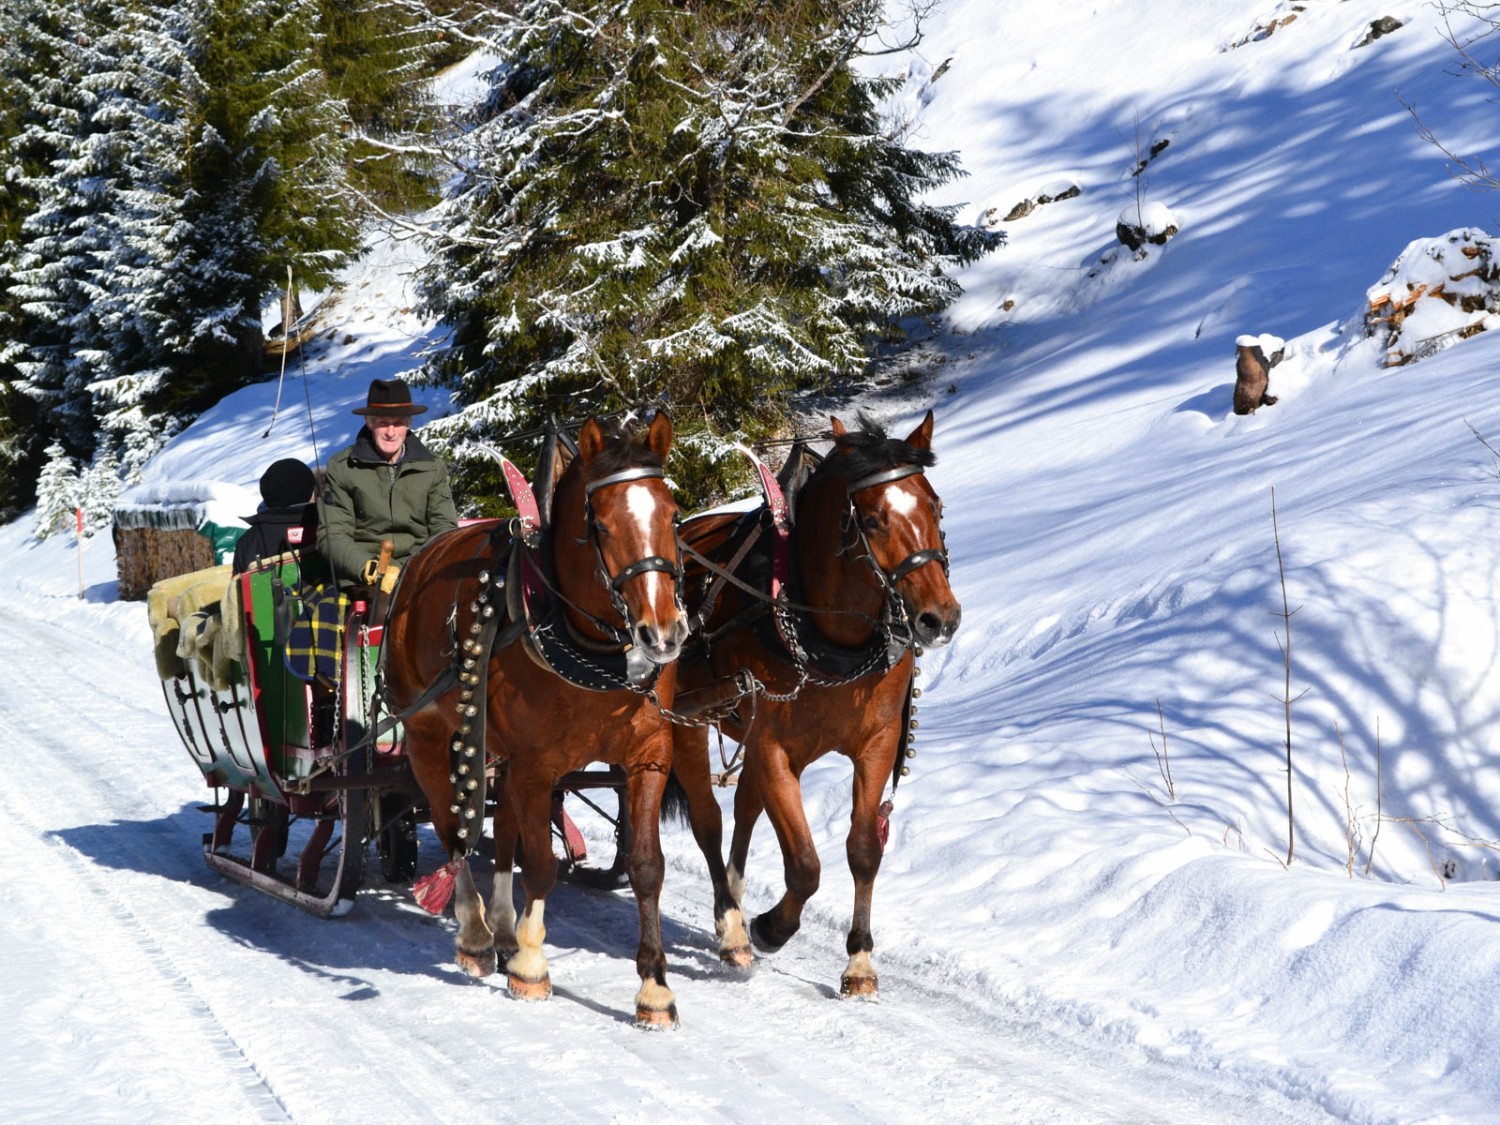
<point>147,987</point>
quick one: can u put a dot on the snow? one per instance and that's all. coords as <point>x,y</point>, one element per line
<point>1086,910</point>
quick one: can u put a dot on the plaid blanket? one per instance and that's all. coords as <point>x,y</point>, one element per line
<point>315,648</point>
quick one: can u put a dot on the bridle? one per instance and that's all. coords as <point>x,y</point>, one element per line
<point>852,530</point>
<point>670,567</point>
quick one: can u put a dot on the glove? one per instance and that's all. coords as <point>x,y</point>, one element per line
<point>387,583</point>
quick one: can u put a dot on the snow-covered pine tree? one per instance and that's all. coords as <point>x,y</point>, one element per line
<point>22,437</point>
<point>264,188</point>
<point>377,55</point>
<point>686,201</point>
<point>66,176</point>
<point>99,486</point>
<point>139,63</point>
<point>57,492</point>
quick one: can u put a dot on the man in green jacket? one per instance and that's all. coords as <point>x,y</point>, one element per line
<point>387,485</point>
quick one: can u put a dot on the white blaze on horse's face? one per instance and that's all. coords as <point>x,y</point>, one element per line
<point>901,501</point>
<point>656,641</point>
<point>642,504</point>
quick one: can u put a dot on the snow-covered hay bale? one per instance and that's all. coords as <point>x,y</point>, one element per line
<point>1439,291</point>
<point>163,532</point>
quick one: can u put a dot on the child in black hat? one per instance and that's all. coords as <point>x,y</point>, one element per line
<point>288,518</point>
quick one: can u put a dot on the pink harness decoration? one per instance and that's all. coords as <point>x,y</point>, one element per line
<point>781,524</point>
<point>520,492</point>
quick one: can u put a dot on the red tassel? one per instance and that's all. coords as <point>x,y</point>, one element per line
<point>883,823</point>
<point>433,892</point>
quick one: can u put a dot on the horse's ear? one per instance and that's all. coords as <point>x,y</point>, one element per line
<point>838,428</point>
<point>560,460</point>
<point>590,440</point>
<point>659,436</point>
<point>921,437</point>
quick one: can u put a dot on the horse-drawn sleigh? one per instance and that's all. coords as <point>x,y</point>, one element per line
<point>517,658</point>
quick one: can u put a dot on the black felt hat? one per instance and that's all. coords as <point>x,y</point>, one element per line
<point>287,483</point>
<point>390,397</point>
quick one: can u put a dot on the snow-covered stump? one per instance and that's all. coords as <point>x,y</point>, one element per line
<point>1150,222</point>
<point>1254,358</point>
<point>1439,291</point>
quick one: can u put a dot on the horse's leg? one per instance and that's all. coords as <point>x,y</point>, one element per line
<point>427,736</point>
<point>690,763</point>
<point>655,1006</point>
<point>748,805</point>
<point>502,915</point>
<point>474,946</point>
<point>526,969</point>
<point>781,789</point>
<point>871,768</point>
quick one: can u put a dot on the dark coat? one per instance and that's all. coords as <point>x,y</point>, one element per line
<point>275,530</point>
<point>366,499</point>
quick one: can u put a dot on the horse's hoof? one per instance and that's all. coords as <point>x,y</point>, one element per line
<point>480,964</point>
<point>765,941</point>
<point>740,957</point>
<point>529,990</point>
<point>861,988</point>
<point>651,1019</point>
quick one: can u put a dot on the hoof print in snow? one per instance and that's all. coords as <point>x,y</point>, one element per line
<point>1383,26</point>
<point>1252,371</point>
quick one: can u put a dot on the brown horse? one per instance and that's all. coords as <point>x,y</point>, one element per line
<point>831,666</point>
<point>610,567</point>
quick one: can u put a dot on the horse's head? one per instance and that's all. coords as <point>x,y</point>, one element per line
<point>888,518</point>
<point>615,544</point>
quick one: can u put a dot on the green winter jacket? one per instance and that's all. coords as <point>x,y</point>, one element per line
<point>366,499</point>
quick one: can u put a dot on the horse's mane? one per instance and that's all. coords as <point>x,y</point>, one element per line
<point>869,449</point>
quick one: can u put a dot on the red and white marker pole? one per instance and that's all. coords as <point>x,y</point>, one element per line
<point>79,512</point>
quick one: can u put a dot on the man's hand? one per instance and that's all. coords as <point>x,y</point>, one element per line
<point>370,574</point>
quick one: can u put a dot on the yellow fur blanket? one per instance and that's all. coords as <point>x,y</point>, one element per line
<point>187,624</point>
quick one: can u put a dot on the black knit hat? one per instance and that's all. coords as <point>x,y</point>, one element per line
<point>390,397</point>
<point>287,483</point>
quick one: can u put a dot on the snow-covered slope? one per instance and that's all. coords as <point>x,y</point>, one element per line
<point>1094,838</point>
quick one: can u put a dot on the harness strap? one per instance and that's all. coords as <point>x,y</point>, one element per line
<point>722,575</point>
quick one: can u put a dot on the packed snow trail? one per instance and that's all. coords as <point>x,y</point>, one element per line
<point>202,996</point>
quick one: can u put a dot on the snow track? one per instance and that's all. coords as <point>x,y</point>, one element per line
<point>216,1001</point>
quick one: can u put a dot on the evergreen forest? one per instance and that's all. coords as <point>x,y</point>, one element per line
<point>697,205</point>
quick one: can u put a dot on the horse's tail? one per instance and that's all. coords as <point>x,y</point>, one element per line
<point>674,801</point>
